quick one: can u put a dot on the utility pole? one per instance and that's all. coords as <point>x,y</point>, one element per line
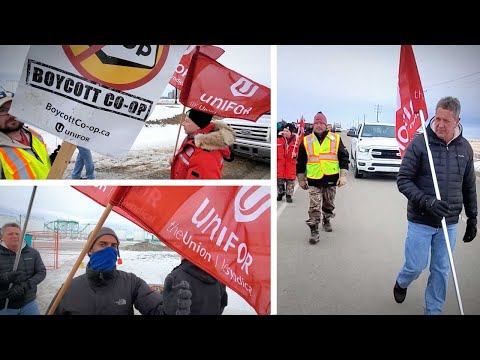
<point>176,95</point>
<point>378,109</point>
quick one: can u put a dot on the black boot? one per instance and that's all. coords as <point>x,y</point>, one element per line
<point>326,225</point>
<point>279,197</point>
<point>399,293</point>
<point>289,199</point>
<point>314,235</point>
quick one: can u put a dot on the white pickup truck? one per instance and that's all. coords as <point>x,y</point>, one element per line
<point>374,149</point>
<point>252,139</point>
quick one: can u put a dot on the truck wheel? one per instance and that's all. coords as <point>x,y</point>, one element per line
<point>358,174</point>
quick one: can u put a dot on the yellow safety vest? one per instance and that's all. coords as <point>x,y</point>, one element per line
<point>322,158</point>
<point>20,164</point>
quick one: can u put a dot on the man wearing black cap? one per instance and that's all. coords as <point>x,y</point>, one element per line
<point>104,290</point>
<point>204,149</point>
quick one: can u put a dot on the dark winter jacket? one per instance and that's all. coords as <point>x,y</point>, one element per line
<point>31,263</point>
<point>201,156</point>
<point>209,296</point>
<point>112,292</point>
<point>454,167</point>
<point>327,180</point>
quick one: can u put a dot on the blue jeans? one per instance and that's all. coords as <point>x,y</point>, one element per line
<point>84,158</point>
<point>30,309</point>
<point>421,241</point>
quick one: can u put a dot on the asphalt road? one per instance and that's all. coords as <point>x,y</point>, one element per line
<point>352,270</point>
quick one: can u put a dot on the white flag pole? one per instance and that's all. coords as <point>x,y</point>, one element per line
<point>444,223</point>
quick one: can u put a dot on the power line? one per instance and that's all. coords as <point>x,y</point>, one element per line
<point>449,81</point>
<point>477,81</point>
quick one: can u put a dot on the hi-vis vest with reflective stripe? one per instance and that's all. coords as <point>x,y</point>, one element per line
<point>322,158</point>
<point>20,164</point>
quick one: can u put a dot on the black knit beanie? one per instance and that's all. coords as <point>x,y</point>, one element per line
<point>200,118</point>
<point>106,231</point>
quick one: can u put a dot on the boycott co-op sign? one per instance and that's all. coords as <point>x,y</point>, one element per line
<point>95,96</point>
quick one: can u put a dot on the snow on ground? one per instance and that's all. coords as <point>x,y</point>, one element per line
<point>154,145</point>
<point>151,266</point>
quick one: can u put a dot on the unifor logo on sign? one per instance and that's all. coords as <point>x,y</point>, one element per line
<point>122,67</point>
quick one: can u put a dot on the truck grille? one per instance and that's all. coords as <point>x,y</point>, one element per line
<point>257,133</point>
<point>386,164</point>
<point>385,154</point>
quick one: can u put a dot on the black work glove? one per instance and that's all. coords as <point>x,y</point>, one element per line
<point>12,277</point>
<point>18,291</point>
<point>437,207</point>
<point>53,155</point>
<point>471,231</point>
<point>176,299</point>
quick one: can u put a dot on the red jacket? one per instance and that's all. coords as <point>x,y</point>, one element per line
<point>286,165</point>
<point>201,155</point>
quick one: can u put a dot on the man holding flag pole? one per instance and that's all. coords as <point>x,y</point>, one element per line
<point>438,179</point>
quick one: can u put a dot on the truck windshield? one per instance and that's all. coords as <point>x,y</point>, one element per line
<point>385,131</point>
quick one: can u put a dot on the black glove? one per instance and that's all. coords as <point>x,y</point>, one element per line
<point>471,231</point>
<point>176,299</point>
<point>437,207</point>
<point>12,277</point>
<point>18,291</point>
<point>53,155</point>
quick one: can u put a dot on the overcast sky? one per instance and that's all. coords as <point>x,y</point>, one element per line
<point>347,82</point>
<point>58,202</point>
<point>252,61</point>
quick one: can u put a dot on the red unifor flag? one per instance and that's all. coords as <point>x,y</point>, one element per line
<point>225,230</point>
<point>298,137</point>
<point>181,70</point>
<point>411,99</point>
<point>213,88</point>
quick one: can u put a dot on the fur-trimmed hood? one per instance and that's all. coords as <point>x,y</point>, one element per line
<point>215,136</point>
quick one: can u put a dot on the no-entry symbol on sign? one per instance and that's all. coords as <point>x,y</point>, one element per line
<point>122,67</point>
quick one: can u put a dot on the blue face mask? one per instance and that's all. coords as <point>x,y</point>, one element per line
<point>104,259</point>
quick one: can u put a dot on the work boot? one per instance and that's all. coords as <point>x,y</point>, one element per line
<point>279,197</point>
<point>289,199</point>
<point>326,225</point>
<point>314,235</point>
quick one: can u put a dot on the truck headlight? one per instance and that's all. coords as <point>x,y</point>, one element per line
<point>363,149</point>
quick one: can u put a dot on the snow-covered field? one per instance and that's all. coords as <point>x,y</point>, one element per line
<point>151,266</point>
